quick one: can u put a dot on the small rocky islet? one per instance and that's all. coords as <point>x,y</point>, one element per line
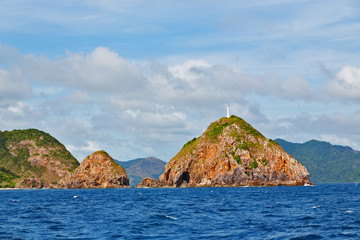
<point>98,170</point>
<point>229,153</point>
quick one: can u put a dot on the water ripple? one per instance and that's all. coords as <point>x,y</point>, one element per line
<point>327,211</point>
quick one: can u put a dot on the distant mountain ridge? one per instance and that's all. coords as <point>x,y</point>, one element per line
<point>325,162</point>
<point>140,168</point>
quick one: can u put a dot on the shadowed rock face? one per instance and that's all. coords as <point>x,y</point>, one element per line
<point>98,170</point>
<point>232,153</point>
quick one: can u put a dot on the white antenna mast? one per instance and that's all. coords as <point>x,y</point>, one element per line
<point>227,111</point>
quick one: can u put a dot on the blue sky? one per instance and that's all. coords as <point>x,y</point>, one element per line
<point>140,78</point>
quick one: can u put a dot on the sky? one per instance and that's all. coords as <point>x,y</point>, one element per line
<point>140,78</point>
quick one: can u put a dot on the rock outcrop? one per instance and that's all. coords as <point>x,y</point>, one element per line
<point>33,159</point>
<point>149,183</point>
<point>98,170</point>
<point>232,153</point>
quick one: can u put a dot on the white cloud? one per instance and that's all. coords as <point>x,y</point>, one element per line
<point>13,86</point>
<point>343,141</point>
<point>99,99</point>
<point>188,71</point>
<point>292,88</point>
<point>346,83</point>
<point>79,96</point>
<point>202,83</point>
<point>19,108</point>
<point>133,114</point>
<point>102,70</point>
<point>337,128</point>
<point>89,148</point>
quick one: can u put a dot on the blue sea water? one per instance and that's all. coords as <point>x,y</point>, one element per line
<point>326,211</point>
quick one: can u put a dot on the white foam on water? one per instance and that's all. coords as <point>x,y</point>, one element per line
<point>173,218</point>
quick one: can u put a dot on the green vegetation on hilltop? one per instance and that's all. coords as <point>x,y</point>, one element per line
<point>15,147</point>
<point>17,160</point>
<point>189,142</point>
<point>326,163</point>
<point>216,128</point>
<point>41,138</point>
<point>102,152</point>
<point>188,147</point>
<point>245,135</point>
<point>272,142</point>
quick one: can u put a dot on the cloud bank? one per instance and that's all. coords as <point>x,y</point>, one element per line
<point>102,100</point>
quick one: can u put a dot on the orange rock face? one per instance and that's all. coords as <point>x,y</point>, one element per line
<point>148,182</point>
<point>232,153</point>
<point>98,170</point>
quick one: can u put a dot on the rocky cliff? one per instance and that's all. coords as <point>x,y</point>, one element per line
<point>33,159</point>
<point>232,153</point>
<point>98,170</point>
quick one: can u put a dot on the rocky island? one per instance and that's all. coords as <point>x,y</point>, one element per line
<point>33,159</point>
<point>231,153</point>
<point>98,170</point>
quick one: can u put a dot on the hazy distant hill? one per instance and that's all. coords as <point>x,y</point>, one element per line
<point>140,168</point>
<point>325,162</point>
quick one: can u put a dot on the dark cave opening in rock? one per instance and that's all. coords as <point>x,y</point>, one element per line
<point>185,177</point>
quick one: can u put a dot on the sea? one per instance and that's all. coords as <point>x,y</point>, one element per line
<point>325,211</point>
